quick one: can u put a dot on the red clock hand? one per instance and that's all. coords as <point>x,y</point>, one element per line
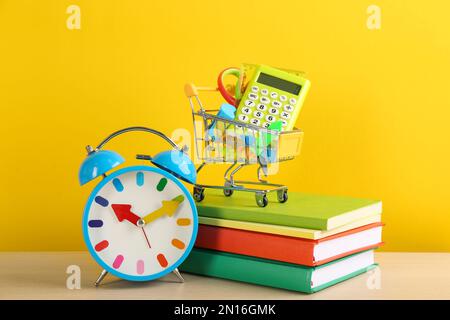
<point>123,212</point>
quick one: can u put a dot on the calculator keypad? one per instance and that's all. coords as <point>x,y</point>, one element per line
<point>253,96</point>
<point>276,103</point>
<point>246,110</point>
<point>258,114</point>
<point>262,107</point>
<point>249,103</point>
<point>243,118</point>
<point>288,108</point>
<point>265,100</point>
<point>285,115</point>
<point>273,111</point>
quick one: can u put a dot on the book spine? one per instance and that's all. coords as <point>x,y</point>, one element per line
<point>247,269</point>
<point>256,244</point>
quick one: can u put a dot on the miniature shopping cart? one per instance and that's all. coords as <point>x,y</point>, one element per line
<point>220,140</point>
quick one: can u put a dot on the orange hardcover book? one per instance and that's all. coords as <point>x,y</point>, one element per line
<point>290,249</point>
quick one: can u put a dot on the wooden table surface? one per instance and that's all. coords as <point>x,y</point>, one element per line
<point>42,275</point>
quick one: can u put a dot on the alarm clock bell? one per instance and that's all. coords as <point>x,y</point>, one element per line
<point>176,162</point>
<point>98,163</point>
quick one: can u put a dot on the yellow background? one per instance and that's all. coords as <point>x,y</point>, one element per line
<point>376,120</point>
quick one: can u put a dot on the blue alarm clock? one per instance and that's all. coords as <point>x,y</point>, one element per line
<point>140,222</point>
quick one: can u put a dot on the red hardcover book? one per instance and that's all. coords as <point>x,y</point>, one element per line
<point>289,249</point>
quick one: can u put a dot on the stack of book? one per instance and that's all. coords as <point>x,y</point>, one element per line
<point>306,244</point>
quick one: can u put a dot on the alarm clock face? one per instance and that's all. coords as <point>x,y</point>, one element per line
<point>140,223</point>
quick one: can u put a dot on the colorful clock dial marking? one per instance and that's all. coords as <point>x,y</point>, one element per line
<point>140,179</point>
<point>162,260</point>
<point>183,221</point>
<point>118,261</point>
<point>117,184</point>
<point>101,201</point>
<point>178,244</point>
<point>140,266</point>
<point>161,184</point>
<point>101,245</point>
<point>95,223</point>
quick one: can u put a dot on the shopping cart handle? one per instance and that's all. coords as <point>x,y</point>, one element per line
<point>191,90</point>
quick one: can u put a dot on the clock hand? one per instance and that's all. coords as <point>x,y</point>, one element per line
<point>146,238</point>
<point>123,212</point>
<point>168,208</point>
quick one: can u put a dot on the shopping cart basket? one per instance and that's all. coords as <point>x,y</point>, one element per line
<point>220,140</point>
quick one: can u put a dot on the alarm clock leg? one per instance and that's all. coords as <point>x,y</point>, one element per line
<point>101,277</point>
<point>178,274</point>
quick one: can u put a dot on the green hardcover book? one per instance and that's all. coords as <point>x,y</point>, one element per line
<point>276,274</point>
<point>302,210</point>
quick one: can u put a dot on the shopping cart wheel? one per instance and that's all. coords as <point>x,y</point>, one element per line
<point>282,196</point>
<point>199,194</point>
<point>227,192</point>
<point>261,200</point>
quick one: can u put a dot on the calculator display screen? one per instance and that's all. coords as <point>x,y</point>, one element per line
<point>278,83</point>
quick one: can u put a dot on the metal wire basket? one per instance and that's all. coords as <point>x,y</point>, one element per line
<point>220,140</point>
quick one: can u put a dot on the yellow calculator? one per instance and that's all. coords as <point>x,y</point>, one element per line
<point>272,94</point>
